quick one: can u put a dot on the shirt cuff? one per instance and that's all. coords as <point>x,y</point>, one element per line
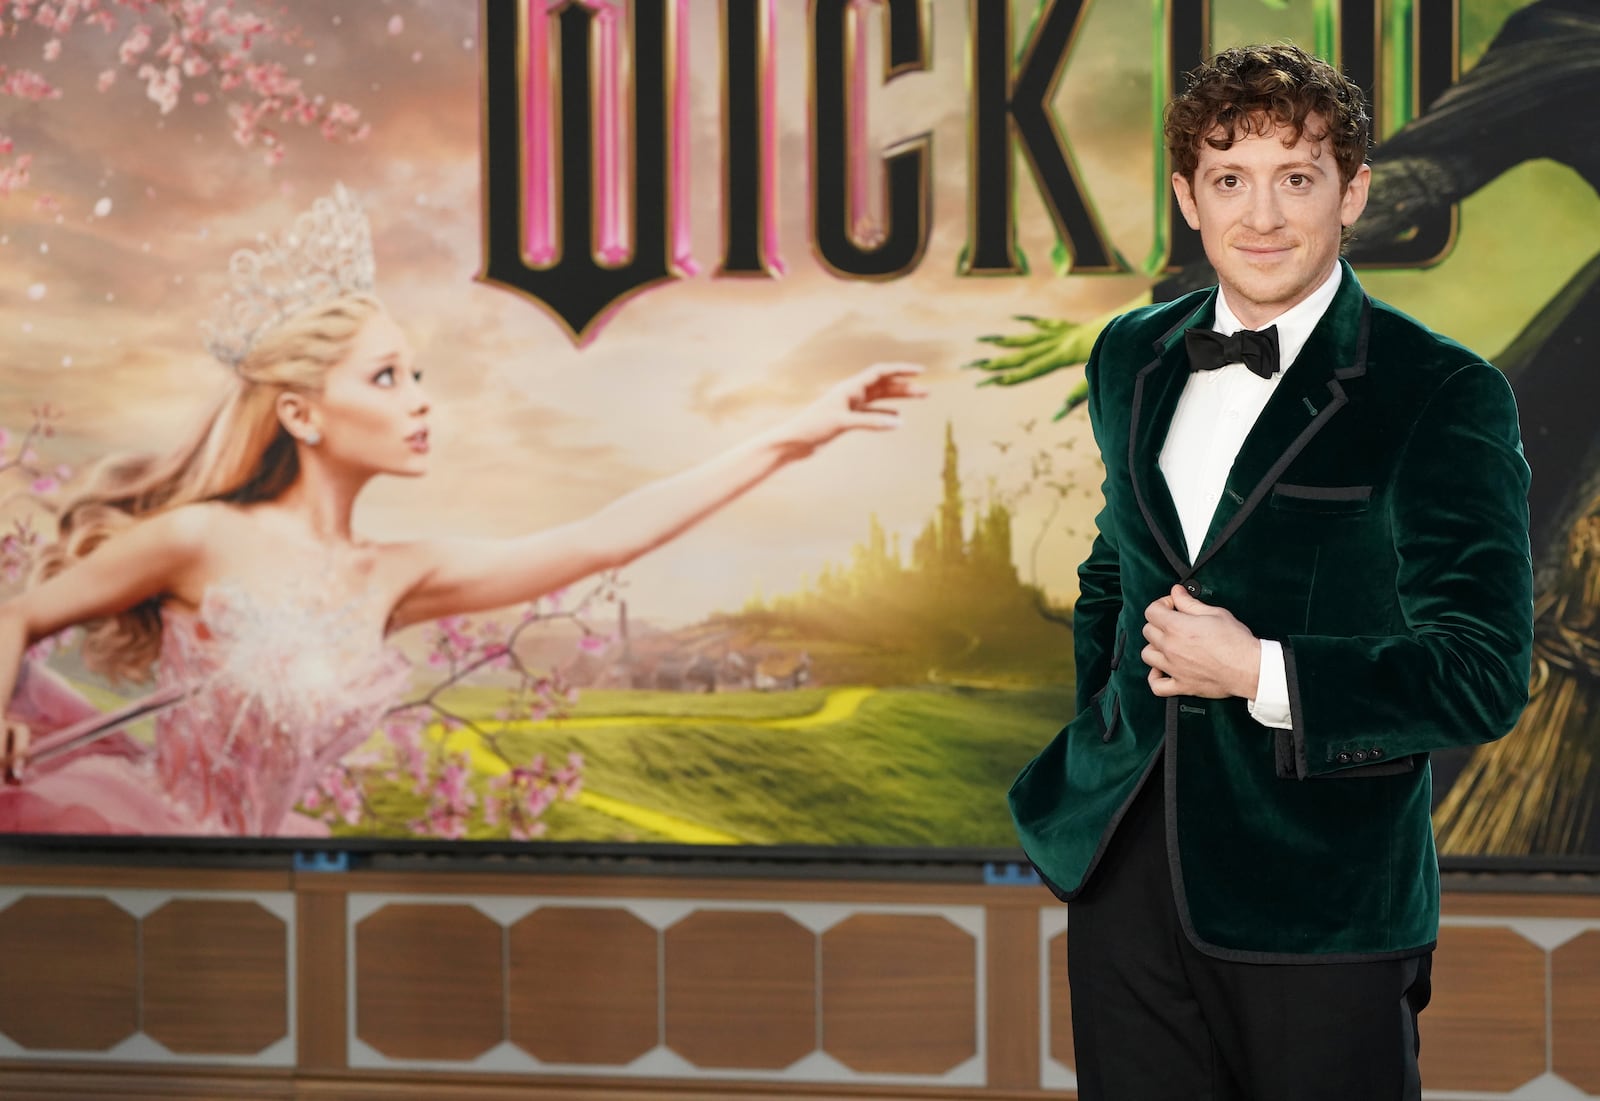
<point>1271,705</point>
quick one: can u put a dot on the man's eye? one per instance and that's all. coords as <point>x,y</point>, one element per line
<point>1227,182</point>
<point>1297,180</point>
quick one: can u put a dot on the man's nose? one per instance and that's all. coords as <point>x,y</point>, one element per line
<point>1265,213</point>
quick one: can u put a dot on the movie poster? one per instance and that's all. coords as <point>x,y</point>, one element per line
<point>621,249</point>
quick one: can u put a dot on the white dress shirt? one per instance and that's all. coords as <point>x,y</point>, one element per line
<point>1215,412</point>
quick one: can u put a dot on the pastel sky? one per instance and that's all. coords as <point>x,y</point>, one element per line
<point>528,430</point>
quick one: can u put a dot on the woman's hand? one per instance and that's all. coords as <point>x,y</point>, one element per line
<point>864,400</point>
<point>13,751</point>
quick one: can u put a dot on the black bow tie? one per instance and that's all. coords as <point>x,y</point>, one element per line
<point>1209,350</point>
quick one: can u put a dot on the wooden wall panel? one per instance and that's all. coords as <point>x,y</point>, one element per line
<point>216,977</point>
<point>430,982</point>
<point>1485,1028</point>
<point>570,977</point>
<point>1575,1006</point>
<point>1012,977</point>
<point>899,994</point>
<point>322,1001</point>
<point>69,970</point>
<point>741,989</point>
<point>585,985</point>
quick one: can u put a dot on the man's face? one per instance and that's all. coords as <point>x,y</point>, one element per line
<point>1270,217</point>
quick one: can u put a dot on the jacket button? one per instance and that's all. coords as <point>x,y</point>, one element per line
<point>1374,753</point>
<point>1343,758</point>
<point>1360,755</point>
<point>1192,587</point>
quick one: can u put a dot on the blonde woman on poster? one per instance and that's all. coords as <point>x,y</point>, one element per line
<point>230,566</point>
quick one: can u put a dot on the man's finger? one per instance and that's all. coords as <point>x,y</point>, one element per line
<point>1186,604</point>
<point>1161,684</point>
<point>1154,658</point>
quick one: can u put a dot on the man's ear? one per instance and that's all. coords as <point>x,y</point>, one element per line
<point>296,415</point>
<point>1184,190</point>
<point>1354,199</point>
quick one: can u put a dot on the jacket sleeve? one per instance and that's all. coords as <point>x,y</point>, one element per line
<point>1458,675</point>
<point>1099,605</point>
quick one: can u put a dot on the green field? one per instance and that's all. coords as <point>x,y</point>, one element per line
<point>909,767</point>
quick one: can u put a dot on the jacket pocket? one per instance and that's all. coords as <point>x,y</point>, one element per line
<point>1325,500</point>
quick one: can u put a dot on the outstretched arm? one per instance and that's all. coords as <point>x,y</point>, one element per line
<point>455,576</point>
<point>152,557</point>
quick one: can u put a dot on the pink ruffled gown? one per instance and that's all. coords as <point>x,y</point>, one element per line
<point>275,693</point>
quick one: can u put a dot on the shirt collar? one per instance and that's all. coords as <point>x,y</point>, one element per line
<point>1294,324</point>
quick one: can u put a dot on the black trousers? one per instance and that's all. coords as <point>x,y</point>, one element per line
<point>1154,1019</point>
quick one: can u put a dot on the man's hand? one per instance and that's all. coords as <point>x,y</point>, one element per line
<point>1197,649</point>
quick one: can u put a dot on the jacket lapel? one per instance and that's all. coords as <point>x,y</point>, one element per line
<point>1156,389</point>
<point>1310,394</point>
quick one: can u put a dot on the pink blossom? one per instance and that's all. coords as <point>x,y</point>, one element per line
<point>594,644</point>
<point>538,799</point>
<point>134,45</point>
<point>27,84</point>
<point>396,24</point>
<point>44,484</point>
<point>404,732</point>
<point>345,795</point>
<point>204,39</point>
<point>16,175</point>
<point>450,800</point>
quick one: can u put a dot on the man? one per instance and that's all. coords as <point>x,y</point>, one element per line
<point>1311,570</point>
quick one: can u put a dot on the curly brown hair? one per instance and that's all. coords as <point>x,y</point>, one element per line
<point>1254,90</point>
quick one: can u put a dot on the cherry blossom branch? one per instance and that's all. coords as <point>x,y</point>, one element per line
<point>21,544</point>
<point>206,40</point>
<point>516,798</point>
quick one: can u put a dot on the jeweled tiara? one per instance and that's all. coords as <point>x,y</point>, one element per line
<point>326,253</point>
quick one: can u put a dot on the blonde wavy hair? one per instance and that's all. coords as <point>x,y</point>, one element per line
<point>241,454</point>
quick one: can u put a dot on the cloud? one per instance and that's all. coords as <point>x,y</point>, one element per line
<point>804,373</point>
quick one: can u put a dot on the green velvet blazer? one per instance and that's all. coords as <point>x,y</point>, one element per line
<point>1375,523</point>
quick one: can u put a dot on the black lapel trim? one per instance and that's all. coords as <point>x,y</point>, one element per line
<point>1275,471</point>
<point>1179,563</point>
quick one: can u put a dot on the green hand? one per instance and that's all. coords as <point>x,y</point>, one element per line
<point>1048,345</point>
